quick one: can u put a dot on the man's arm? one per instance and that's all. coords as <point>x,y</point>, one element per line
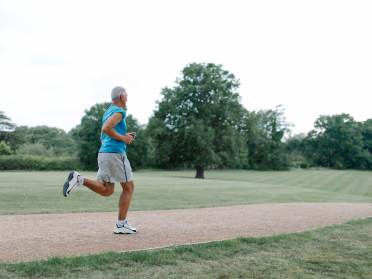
<point>108,129</point>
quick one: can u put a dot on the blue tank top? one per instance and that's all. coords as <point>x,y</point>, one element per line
<point>108,144</point>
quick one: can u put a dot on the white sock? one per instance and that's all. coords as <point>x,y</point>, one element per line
<point>121,222</point>
<point>80,179</point>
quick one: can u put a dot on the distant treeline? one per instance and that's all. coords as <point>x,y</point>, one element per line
<point>199,123</point>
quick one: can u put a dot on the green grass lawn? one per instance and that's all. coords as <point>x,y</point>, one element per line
<point>41,192</point>
<point>340,251</point>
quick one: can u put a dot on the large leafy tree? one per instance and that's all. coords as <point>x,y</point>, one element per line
<point>337,142</point>
<point>197,121</point>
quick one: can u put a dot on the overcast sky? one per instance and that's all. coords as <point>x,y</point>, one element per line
<point>58,58</point>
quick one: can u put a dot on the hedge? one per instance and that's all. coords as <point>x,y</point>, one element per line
<point>29,162</point>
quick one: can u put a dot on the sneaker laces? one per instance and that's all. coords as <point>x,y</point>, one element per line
<point>126,224</point>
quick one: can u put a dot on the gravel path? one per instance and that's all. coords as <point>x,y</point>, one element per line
<point>30,237</point>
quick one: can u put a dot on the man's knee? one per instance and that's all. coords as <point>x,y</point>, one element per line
<point>108,191</point>
<point>128,186</point>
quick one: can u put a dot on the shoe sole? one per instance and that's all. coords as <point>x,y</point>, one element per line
<point>65,186</point>
<point>117,232</point>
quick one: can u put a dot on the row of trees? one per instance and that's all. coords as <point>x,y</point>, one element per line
<point>36,148</point>
<point>336,141</point>
<point>200,123</point>
<point>39,140</point>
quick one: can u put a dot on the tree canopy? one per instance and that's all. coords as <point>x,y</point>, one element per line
<point>338,141</point>
<point>196,122</point>
<point>5,123</point>
<point>263,132</point>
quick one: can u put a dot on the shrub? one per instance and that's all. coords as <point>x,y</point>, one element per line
<point>28,162</point>
<point>297,160</point>
<point>37,149</point>
<point>4,148</point>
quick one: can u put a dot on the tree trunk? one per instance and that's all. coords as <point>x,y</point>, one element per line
<point>199,172</point>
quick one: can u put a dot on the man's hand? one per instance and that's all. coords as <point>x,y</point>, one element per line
<point>128,138</point>
<point>133,134</point>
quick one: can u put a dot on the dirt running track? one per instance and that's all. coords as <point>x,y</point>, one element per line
<point>30,237</point>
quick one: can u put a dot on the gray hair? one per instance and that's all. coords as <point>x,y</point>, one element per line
<point>117,91</point>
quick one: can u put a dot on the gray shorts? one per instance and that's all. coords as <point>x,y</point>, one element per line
<point>114,167</point>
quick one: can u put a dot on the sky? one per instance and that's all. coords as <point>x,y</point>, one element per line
<point>58,58</point>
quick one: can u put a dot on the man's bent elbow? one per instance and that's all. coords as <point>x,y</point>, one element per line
<point>105,129</point>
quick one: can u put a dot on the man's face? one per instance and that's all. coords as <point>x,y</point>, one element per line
<point>124,98</point>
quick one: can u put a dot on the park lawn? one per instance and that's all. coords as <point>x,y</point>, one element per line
<point>339,251</point>
<point>41,192</point>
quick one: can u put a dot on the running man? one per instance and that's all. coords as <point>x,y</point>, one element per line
<point>113,163</point>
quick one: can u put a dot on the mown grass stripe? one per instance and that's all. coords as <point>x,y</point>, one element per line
<point>40,192</point>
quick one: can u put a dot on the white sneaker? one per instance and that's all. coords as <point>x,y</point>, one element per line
<point>73,181</point>
<point>124,229</point>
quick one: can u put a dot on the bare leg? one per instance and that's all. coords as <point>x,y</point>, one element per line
<point>102,188</point>
<point>125,199</point>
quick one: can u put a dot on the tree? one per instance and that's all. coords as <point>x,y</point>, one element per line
<point>337,142</point>
<point>5,123</point>
<point>366,128</point>
<point>197,122</point>
<point>6,127</point>
<point>138,150</point>
<point>4,148</point>
<point>264,131</point>
<point>295,147</point>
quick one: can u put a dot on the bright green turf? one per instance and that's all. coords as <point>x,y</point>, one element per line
<point>340,252</point>
<point>41,192</point>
